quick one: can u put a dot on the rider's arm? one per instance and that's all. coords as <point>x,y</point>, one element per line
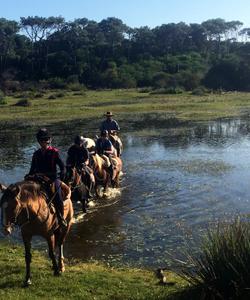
<point>33,165</point>
<point>70,161</point>
<point>117,126</point>
<point>61,165</point>
<point>85,156</point>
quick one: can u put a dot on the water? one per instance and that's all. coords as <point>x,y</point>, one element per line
<point>177,182</point>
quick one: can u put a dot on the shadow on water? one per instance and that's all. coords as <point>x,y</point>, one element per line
<point>179,179</point>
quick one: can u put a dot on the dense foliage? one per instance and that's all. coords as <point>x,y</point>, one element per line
<point>109,54</point>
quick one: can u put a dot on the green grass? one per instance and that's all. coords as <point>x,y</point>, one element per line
<point>125,103</point>
<point>80,281</point>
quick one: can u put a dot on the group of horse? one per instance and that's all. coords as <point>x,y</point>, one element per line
<point>29,205</point>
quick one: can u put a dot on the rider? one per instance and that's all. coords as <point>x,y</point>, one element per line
<point>45,161</point>
<point>113,128</point>
<point>78,156</point>
<point>105,149</point>
<point>109,124</point>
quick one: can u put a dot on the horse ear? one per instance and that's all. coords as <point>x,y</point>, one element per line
<point>16,191</point>
<point>2,187</point>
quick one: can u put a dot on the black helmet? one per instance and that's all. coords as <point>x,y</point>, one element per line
<point>79,140</point>
<point>43,134</point>
<point>104,132</point>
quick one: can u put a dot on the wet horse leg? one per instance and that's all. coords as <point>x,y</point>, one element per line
<point>28,256</point>
<point>51,245</point>
<point>106,180</point>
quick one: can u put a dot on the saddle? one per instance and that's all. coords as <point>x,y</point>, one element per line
<point>48,187</point>
<point>43,181</point>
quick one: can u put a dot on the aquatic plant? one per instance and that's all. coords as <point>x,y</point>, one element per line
<point>222,270</point>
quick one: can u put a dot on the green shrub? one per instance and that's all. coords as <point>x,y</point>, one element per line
<point>3,100</point>
<point>73,79</point>
<point>38,95</point>
<point>199,91</point>
<point>79,93</point>
<point>75,87</point>
<point>60,95</point>
<point>23,102</point>
<point>222,270</point>
<point>171,90</point>
<point>57,83</point>
<point>52,97</point>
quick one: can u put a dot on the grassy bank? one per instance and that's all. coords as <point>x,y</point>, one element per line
<point>127,104</point>
<point>80,281</point>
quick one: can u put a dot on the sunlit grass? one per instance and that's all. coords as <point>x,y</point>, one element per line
<point>80,281</point>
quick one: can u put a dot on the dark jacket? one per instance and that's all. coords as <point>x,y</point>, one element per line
<point>109,125</point>
<point>46,162</point>
<point>77,156</point>
<point>103,145</point>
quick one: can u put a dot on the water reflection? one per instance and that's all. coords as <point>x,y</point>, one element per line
<point>177,181</point>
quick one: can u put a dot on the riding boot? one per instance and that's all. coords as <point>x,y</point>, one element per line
<point>61,221</point>
<point>110,169</point>
<point>90,193</point>
<point>59,206</point>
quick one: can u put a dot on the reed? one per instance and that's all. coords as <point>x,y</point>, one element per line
<point>222,270</point>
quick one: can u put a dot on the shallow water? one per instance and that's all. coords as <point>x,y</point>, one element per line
<point>177,182</point>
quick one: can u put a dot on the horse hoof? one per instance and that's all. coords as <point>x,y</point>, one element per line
<point>27,283</point>
<point>62,270</point>
<point>57,273</point>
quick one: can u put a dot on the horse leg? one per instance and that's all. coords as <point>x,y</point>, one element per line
<point>61,259</point>
<point>106,179</point>
<point>51,245</point>
<point>28,256</point>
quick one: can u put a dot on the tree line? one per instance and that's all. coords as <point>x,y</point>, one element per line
<point>110,54</point>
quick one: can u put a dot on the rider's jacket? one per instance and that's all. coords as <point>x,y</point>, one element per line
<point>77,156</point>
<point>109,125</point>
<point>46,161</point>
<point>103,145</point>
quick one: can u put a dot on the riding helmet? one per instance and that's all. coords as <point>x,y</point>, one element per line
<point>43,134</point>
<point>79,140</point>
<point>104,132</point>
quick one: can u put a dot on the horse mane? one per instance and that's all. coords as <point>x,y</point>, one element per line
<point>30,190</point>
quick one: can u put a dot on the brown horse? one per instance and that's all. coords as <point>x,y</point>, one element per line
<point>24,204</point>
<point>117,171</point>
<point>102,173</point>
<point>79,190</point>
<point>102,176</point>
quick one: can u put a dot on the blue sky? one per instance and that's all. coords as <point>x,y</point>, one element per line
<point>134,13</point>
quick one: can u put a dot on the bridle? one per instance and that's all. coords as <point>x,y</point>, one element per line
<point>28,218</point>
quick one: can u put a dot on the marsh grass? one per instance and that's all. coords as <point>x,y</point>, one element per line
<point>222,270</point>
<point>125,104</point>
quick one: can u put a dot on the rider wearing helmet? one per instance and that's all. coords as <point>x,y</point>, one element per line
<point>78,156</point>
<point>45,161</point>
<point>77,153</point>
<point>105,149</point>
<point>109,124</point>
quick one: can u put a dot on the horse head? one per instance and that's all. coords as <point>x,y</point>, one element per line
<point>11,207</point>
<point>116,142</point>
